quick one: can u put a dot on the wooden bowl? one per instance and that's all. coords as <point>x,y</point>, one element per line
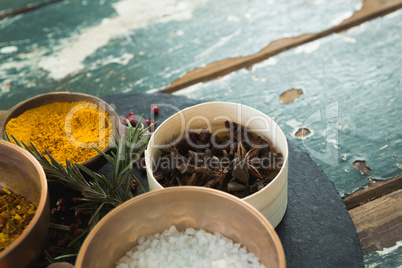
<point>95,162</point>
<point>271,200</point>
<point>184,207</point>
<point>21,173</point>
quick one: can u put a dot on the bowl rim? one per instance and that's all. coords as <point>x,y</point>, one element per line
<point>42,200</point>
<point>116,125</point>
<point>254,211</point>
<point>180,113</point>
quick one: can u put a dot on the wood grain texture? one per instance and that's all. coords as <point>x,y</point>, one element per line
<point>375,189</point>
<point>379,222</point>
<point>371,9</point>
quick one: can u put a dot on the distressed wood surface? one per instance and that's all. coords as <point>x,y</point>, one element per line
<point>350,101</point>
<point>103,48</point>
<point>370,10</point>
<point>362,60</point>
<point>135,46</point>
<point>379,222</point>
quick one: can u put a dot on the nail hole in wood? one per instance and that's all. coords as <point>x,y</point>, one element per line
<point>290,95</point>
<point>302,132</point>
<point>361,165</point>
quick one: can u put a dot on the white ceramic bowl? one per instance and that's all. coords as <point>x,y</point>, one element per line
<point>271,201</point>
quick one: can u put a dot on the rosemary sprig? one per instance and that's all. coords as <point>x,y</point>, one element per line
<point>100,194</point>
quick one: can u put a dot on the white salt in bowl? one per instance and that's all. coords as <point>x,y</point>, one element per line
<point>183,207</point>
<point>271,201</point>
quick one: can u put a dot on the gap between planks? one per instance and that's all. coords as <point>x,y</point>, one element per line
<point>379,222</point>
<point>371,9</point>
<point>376,213</point>
<point>374,190</point>
<point>26,8</point>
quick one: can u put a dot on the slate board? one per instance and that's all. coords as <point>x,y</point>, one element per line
<point>316,230</point>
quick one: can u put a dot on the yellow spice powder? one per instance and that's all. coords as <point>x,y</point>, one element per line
<point>16,213</point>
<point>67,130</point>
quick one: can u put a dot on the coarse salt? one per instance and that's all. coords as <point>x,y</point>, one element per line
<point>190,248</point>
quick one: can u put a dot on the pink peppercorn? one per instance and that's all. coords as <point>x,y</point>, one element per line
<point>155,110</point>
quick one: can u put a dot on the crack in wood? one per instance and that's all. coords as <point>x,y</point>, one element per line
<point>27,8</point>
<point>370,9</point>
<point>361,165</point>
<point>374,190</point>
<point>379,222</point>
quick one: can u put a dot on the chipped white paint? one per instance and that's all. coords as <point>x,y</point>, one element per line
<point>8,49</point>
<point>9,20</point>
<point>393,14</point>
<point>178,33</point>
<point>68,57</point>
<point>308,48</point>
<point>188,90</point>
<point>318,2</point>
<point>341,18</point>
<point>25,60</point>
<point>293,123</point>
<point>268,62</point>
<point>348,39</point>
<point>123,60</point>
<point>386,251</point>
<point>167,75</point>
<point>385,146</point>
<point>222,41</point>
<point>233,18</point>
<point>272,61</point>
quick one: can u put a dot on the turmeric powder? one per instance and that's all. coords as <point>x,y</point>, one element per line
<point>67,130</point>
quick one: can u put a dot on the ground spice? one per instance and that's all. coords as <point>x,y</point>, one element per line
<point>15,214</point>
<point>67,130</point>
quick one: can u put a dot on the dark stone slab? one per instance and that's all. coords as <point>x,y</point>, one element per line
<point>317,230</point>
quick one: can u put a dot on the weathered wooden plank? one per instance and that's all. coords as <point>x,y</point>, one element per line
<point>370,10</point>
<point>374,190</point>
<point>355,75</point>
<point>379,222</point>
<point>108,46</point>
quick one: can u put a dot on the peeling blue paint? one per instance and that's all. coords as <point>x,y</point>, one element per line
<point>390,259</point>
<point>356,76</point>
<point>163,50</point>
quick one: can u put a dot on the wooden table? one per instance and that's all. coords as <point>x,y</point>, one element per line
<point>329,72</point>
